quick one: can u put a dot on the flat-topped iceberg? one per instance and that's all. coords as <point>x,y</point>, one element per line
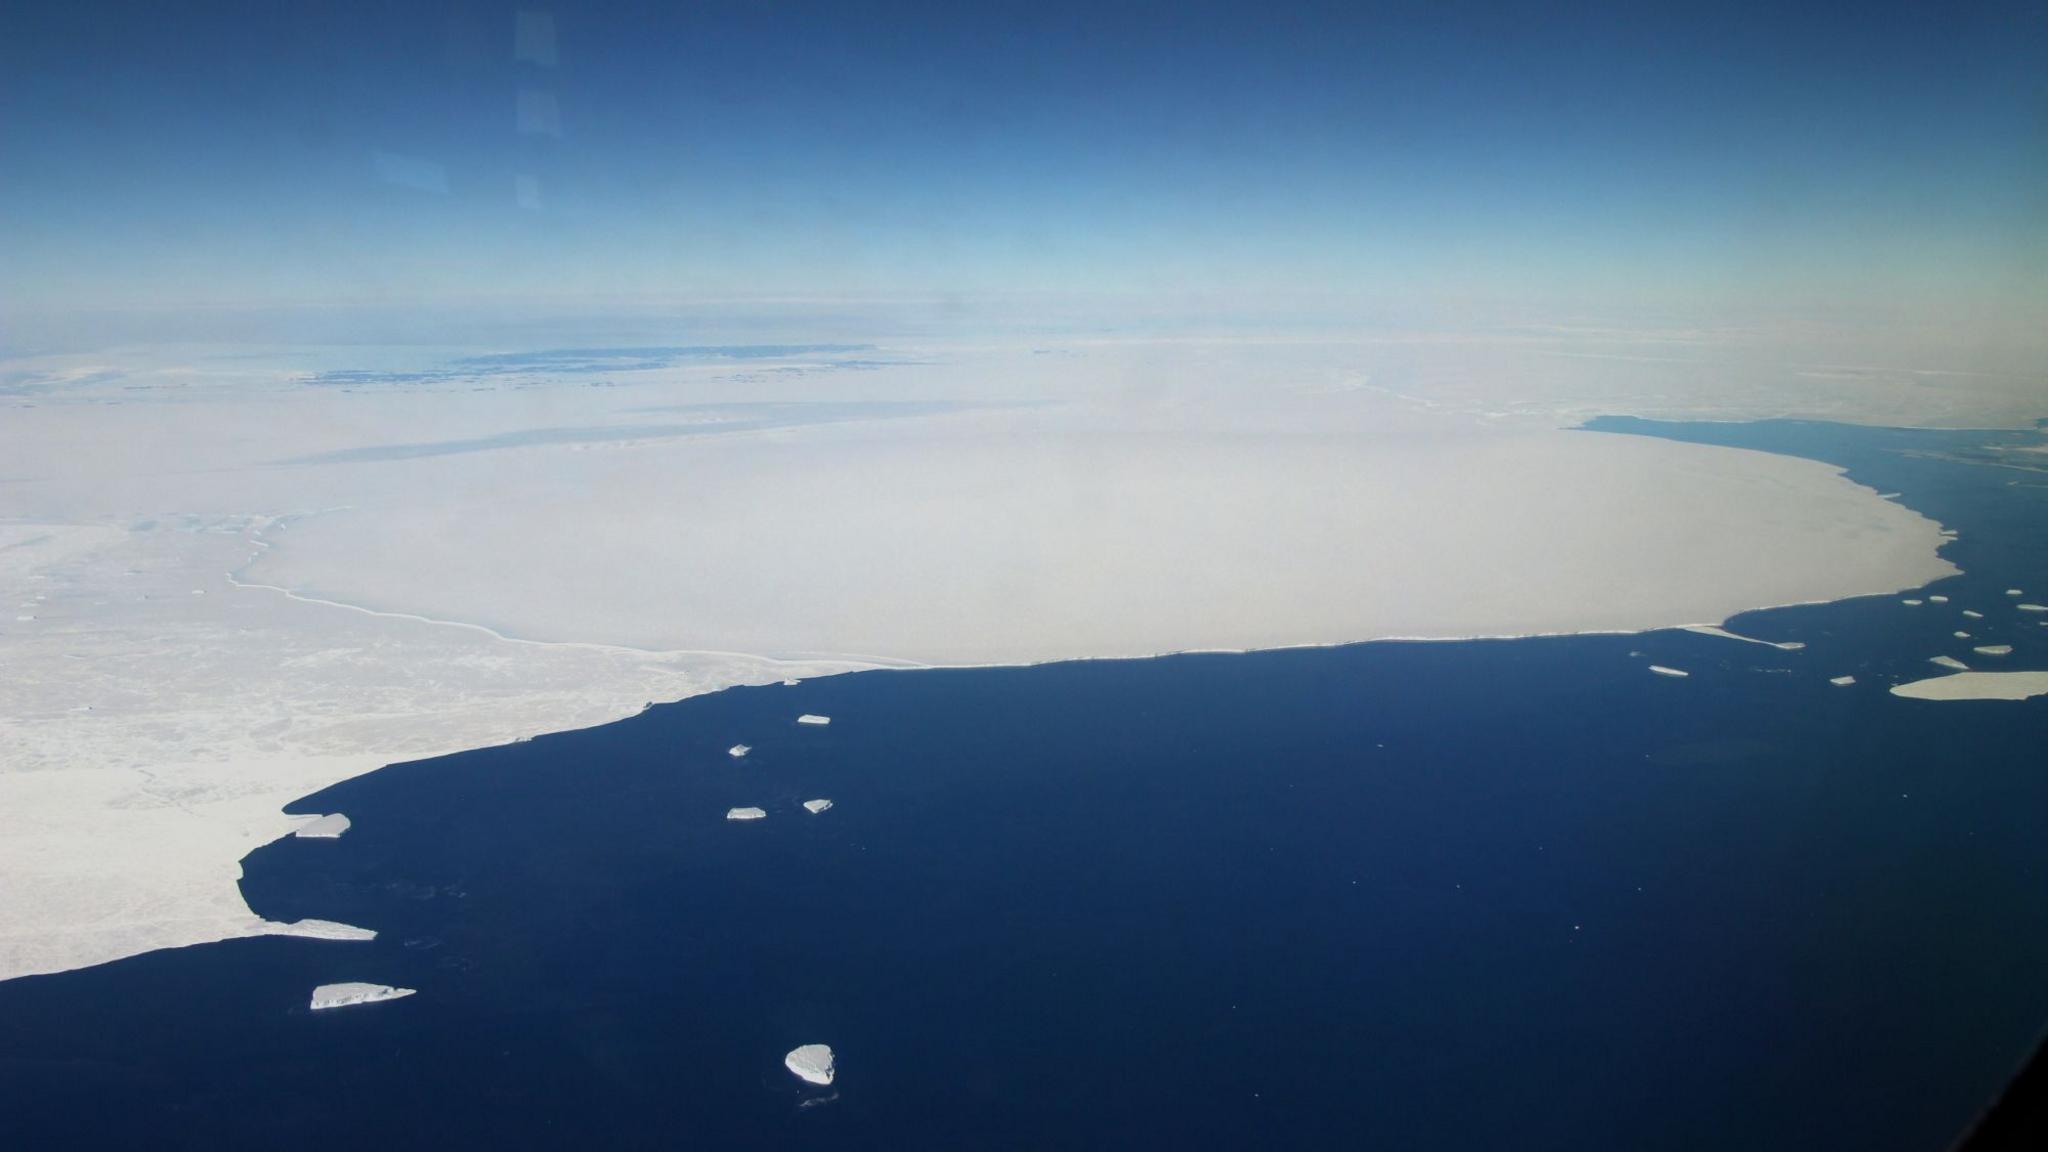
<point>1937,599</point>
<point>1842,681</point>
<point>813,718</point>
<point>2034,607</point>
<point>737,751</point>
<point>1910,603</point>
<point>812,1063</point>
<point>1661,670</point>
<point>345,995</point>
<point>1993,650</point>
<point>1949,662</point>
<point>816,806</point>
<point>328,827</point>
<point>1973,615</point>
<point>746,814</point>
<point>1977,686</point>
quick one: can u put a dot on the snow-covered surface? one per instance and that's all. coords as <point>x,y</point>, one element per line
<point>1661,670</point>
<point>345,995</point>
<point>811,1062</point>
<point>1993,650</point>
<point>328,827</point>
<point>813,719</point>
<point>746,814</point>
<point>816,806</point>
<point>738,751</point>
<point>2034,607</point>
<point>1842,681</point>
<point>1977,686</point>
<point>397,570</point>
<point>1949,662</point>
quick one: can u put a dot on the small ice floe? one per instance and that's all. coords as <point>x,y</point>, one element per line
<point>1949,662</point>
<point>746,814</point>
<point>345,995</point>
<point>1994,650</point>
<point>816,806</point>
<point>812,1063</point>
<point>2015,591</point>
<point>2034,607</point>
<point>1842,681</point>
<point>1937,599</point>
<point>1661,670</point>
<point>1910,603</point>
<point>1888,495</point>
<point>1973,615</point>
<point>1962,635</point>
<point>813,718</point>
<point>791,683</point>
<point>738,751</point>
<point>328,827</point>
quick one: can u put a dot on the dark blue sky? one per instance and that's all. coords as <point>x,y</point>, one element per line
<point>268,152</point>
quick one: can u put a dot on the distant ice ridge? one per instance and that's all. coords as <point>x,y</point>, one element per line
<point>347,995</point>
<point>1661,670</point>
<point>328,827</point>
<point>812,1063</point>
<point>738,751</point>
<point>816,806</point>
<point>813,718</point>
<point>746,814</point>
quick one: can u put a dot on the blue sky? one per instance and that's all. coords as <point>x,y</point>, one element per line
<point>369,152</point>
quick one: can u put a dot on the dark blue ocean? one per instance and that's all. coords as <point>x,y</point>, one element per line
<point>1502,894</point>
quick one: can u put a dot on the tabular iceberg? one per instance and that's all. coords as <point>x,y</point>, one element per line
<point>346,995</point>
<point>746,814</point>
<point>812,718</point>
<point>328,827</point>
<point>816,806</point>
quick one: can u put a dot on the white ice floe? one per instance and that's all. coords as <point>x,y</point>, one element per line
<point>345,995</point>
<point>791,683</point>
<point>1842,681</point>
<point>1977,686</point>
<point>2015,591</point>
<point>1962,635</point>
<point>1949,662</point>
<point>328,827</point>
<point>812,1063</point>
<point>1661,670</point>
<point>816,806</point>
<point>1937,599</point>
<point>2034,607</point>
<point>812,718</point>
<point>738,751</point>
<point>745,814</point>
<point>1993,650</point>
<point>320,930</point>
<point>1973,615</point>
<point>1723,633</point>
<point>1910,603</point>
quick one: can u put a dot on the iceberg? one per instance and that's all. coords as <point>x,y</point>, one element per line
<point>816,806</point>
<point>2015,591</point>
<point>1993,650</point>
<point>813,718</point>
<point>1973,615</point>
<point>1910,603</point>
<point>328,827</point>
<point>1962,635</point>
<point>345,995</point>
<point>1949,662</point>
<point>812,1063</point>
<point>746,814</point>
<point>1842,681</point>
<point>1661,670</point>
<point>1977,686</point>
<point>737,751</point>
<point>1937,599</point>
<point>2034,607</point>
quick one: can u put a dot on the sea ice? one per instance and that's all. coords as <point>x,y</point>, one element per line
<point>1973,615</point>
<point>1937,599</point>
<point>1949,662</point>
<point>1661,670</point>
<point>344,995</point>
<point>2015,591</point>
<point>811,718</point>
<point>1842,681</point>
<point>328,827</point>
<point>737,751</point>
<point>1994,650</point>
<point>1962,635</point>
<point>1977,686</point>
<point>1910,603</point>
<point>745,814</point>
<point>812,1063</point>
<point>2034,607</point>
<point>816,806</point>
